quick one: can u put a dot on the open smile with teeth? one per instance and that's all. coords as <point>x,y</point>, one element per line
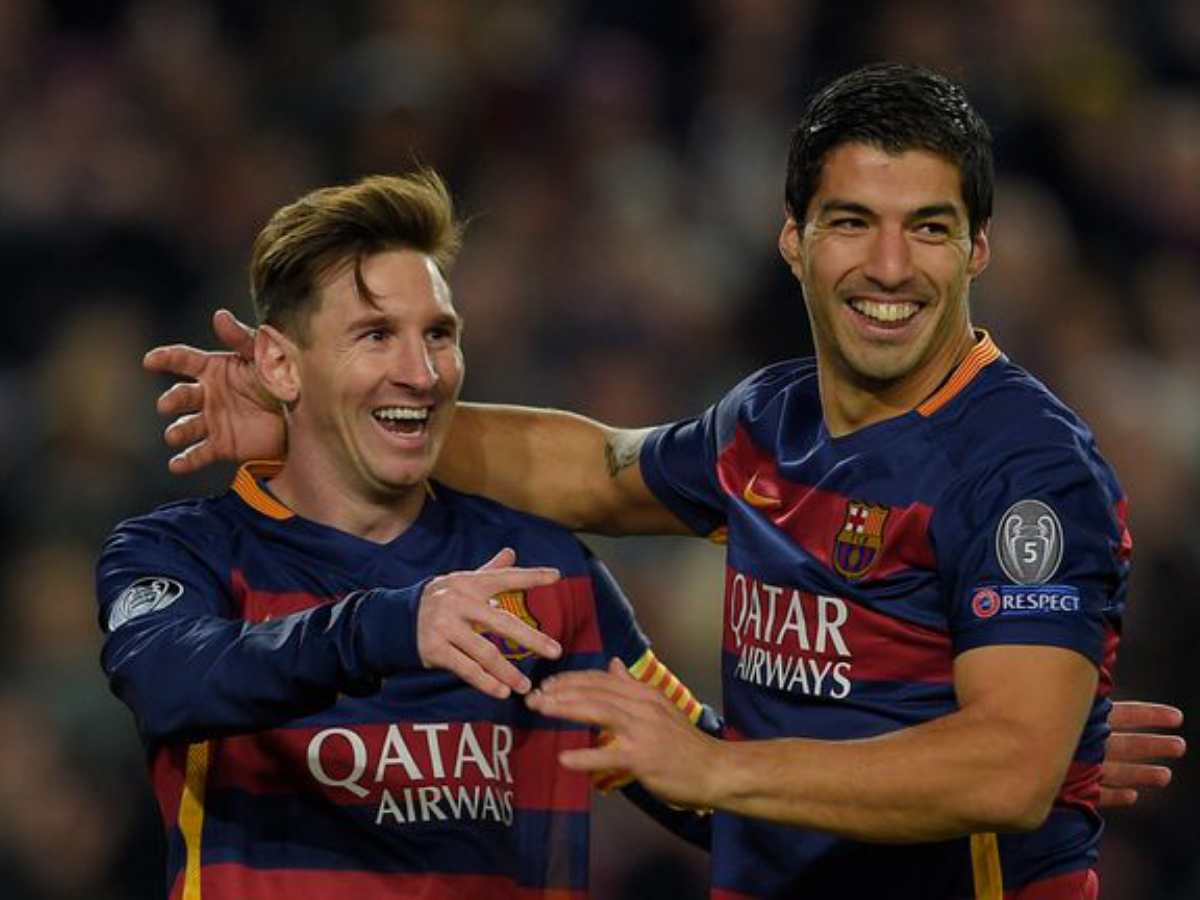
<point>887,313</point>
<point>402,419</point>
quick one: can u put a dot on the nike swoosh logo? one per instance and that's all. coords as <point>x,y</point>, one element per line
<point>757,500</point>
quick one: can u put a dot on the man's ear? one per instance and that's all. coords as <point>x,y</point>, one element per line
<point>276,359</point>
<point>790,240</point>
<point>981,251</point>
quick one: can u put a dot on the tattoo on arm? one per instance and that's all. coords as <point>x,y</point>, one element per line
<point>623,449</point>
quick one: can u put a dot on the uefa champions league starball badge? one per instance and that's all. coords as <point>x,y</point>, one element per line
<point>1029,542</point>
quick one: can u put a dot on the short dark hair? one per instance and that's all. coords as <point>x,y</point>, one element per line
<point>897,108</point>
<point>335,225</point>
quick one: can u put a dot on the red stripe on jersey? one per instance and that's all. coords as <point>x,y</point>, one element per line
<point>564,610</point>
<point>352,765</point>
<point>541,782</point>
<point>229,880</point>
<point>255,605</point>
<point>1083,885</point>
<point>814,517</point>
<point>167,771</point>
<point>1125,548</point>
<point>1081,787</point>
<point>1108,665</point>
<point>722,894</point>
<point>794,623</point>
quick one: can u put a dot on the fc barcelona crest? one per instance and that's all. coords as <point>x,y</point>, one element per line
<point>512,602</point>
<point>860,539</point>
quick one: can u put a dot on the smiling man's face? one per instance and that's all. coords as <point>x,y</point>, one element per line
<point>885,257</point>
<point>379,379</point>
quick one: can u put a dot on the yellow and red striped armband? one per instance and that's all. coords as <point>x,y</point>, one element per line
<point>649,670</point>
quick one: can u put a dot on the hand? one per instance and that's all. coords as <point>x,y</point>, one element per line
<point>225,413</point>
<point>456,607</point>
<point>1129,749</point>
<point>649,736</point>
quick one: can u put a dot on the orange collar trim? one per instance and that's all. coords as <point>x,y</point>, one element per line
<point>246,486</point>
<point>983,354</point>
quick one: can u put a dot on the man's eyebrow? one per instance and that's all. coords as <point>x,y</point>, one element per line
<point>934,210</point>
<point>368,321</point>
<point>845,206</point>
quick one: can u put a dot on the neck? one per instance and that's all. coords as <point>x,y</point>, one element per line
<point>850,402</point>
<point>319,492</point>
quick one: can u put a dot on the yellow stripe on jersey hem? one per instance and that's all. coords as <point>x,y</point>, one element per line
<point>985,866</point>
<point>191,816</point>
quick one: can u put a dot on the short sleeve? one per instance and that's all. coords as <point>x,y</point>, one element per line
<point>679,461</point>
<point>1034,550</point>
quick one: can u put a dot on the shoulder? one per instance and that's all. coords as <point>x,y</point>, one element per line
<point>201,525</point>
<point>762,401</point>
<point>1011,441</point>
<point>538,541</point>
<point>1009,420</point>
<point>789,378</point>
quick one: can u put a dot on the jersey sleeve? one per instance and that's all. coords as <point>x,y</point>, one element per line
<point>1034,550</point>
<point>175,653</point>
<point>679,462</point>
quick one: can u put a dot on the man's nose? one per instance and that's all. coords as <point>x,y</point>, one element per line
<point>889,263</point>
<point>412,364</point>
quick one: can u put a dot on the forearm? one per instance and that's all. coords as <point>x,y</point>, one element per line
<point>203,676</point>
<point>564,467</point>
<point>961,774</point>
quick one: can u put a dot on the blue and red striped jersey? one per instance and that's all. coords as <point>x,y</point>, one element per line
<point>298,748</point>
<point>859,566</point>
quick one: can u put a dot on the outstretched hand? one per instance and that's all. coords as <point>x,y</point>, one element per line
<point>224,413</point>
<point>456,608</point>
<point>1131,753</point>
<point>649,737</point>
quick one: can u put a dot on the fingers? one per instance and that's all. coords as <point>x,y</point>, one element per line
<point>1134,775</point>
<point>504,624</point>
<point>176,359</point>
<point>591,759</point>
<point>181,399</point>
<point>512,578</point>
<point>477,661</point>
<point>501,560</point>
<point>234,334</point>
<point>588,707</point>
<point>193,459</point>
<point>1134,715</point>
<point>1112,799</point>
<point>480,678</point>
<point>1134,748</point>
<point>186,431</point>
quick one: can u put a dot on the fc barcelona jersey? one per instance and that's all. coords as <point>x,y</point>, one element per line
<point>298,749</point>
<point>859,566</point>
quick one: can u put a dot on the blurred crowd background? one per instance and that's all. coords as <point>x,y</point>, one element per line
<point>622,163</point>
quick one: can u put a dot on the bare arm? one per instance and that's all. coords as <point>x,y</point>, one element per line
<point>994,765</point>
<point>565,467</point>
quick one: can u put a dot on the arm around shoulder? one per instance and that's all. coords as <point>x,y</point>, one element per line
<point>572,470</point>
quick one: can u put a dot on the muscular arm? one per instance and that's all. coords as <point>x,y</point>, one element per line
<point>565,467</point>
<point>994,765</point>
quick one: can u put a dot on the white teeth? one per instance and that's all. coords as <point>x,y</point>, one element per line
<point>885,312</point>
<point>407,413</point>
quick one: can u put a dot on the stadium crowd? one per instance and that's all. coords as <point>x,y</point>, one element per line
<point>622,166</point>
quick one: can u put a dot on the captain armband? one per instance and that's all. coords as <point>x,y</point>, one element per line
<point>649,670</point>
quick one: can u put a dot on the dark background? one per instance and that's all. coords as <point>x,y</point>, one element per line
<point>623,166</point>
